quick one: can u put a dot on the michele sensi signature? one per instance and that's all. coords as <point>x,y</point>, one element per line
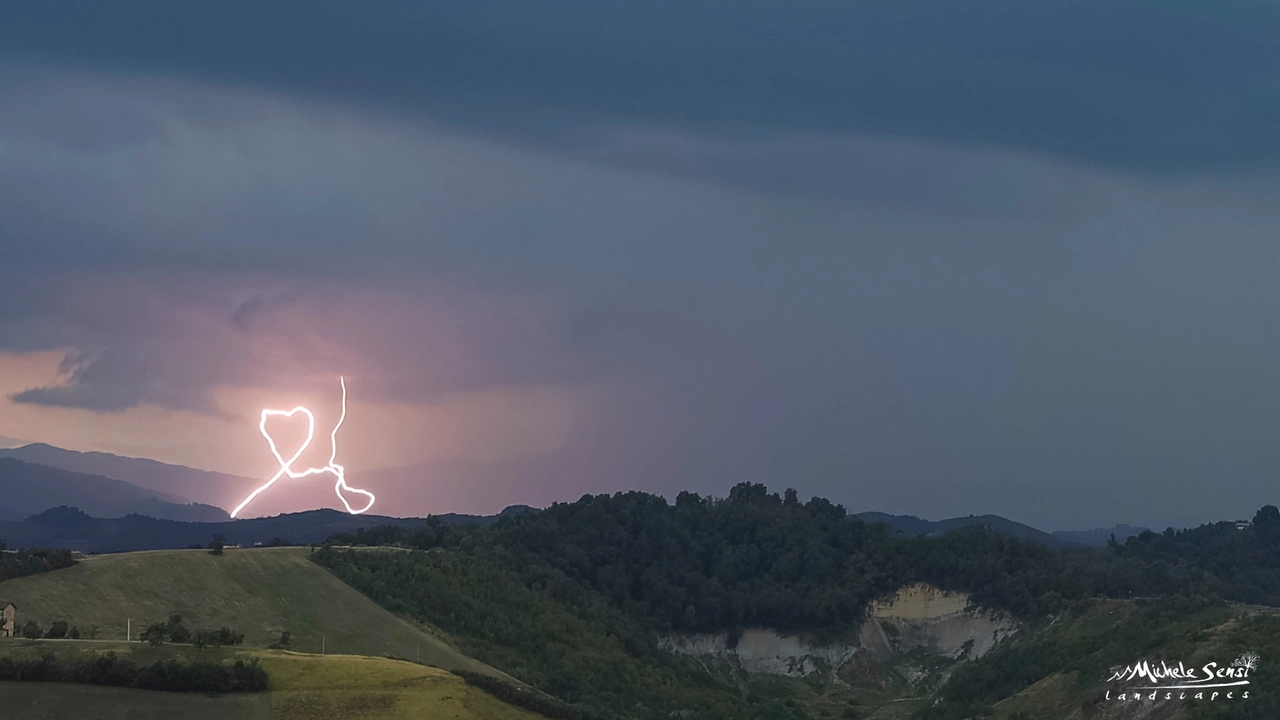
<point>1146,680</point>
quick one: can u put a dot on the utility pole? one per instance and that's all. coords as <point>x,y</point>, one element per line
<point>128,634</point>
<point>321,644</point>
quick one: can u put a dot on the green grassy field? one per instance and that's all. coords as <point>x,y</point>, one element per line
<point>259,592</point>
<point>302,687</point>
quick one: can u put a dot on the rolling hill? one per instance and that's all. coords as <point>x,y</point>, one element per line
<point>260,592</point>
<point>27,489</point>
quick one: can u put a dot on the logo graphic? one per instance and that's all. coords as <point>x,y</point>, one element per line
<point>1148,681</point>
<point>286,466</point>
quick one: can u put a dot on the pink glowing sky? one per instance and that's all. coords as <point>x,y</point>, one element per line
<point>442,381</point>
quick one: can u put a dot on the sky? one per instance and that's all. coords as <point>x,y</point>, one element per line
<point>918,257</point>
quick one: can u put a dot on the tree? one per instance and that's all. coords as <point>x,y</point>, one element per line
<point>1266,515</point>
<point>57,630</point>
<point>227,636</point>
<point>74,633</point>
<point>201,638</point>
<point>218,543</point>
<point>790,498</point>
<point>31,630</point>
<point>176,631</point>
<point>154,634</point>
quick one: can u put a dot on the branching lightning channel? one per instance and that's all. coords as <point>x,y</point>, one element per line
<point>286,466</point>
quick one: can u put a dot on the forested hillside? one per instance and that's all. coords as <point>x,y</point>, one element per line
<point>758,558</point>
<point>573,599</point>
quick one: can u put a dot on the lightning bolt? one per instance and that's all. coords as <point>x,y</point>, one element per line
<point>286,466</point>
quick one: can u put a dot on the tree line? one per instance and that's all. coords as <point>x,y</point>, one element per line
<point>175,631</point>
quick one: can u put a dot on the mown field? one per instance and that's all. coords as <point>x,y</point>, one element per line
<point>259,592</point>
<point>302,687</point>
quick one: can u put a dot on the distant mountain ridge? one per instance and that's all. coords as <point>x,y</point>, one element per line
<point>396,488</point>
<point>69,527</point>
<point>201,486</point>
<point>913,526</point>
<point>1100,536</point>
<point>27,488</point>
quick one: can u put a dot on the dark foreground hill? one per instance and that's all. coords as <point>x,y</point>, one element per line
<point>68,527</point>
<point>27,488</point>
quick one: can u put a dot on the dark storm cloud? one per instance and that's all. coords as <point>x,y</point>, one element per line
<point>919,257</point>
<point>1148,87</point>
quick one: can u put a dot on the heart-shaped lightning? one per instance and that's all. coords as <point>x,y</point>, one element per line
<point>311,429</point>
<point>286,466</point>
